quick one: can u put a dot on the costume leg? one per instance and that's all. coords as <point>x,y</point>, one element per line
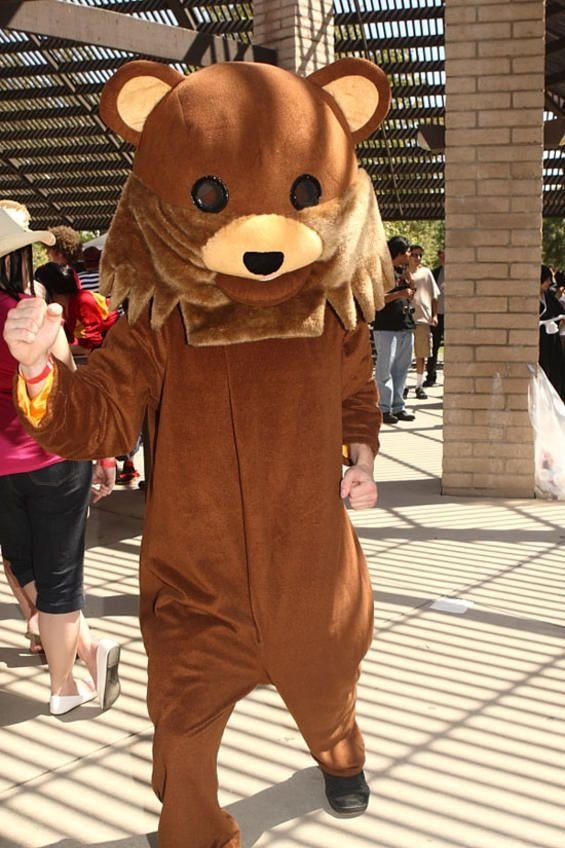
<point>198,668</point>
<point>185,780</point>
<point>316,673</point>
<point>324,711</point>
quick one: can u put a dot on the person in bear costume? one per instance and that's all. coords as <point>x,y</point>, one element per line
<point>250,248</point>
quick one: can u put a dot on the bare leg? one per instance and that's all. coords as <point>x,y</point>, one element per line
<point>420,362</point>
<point>86,647</point>
<point>27,608</point>
<point>60,639</point>
<point>59,635</point>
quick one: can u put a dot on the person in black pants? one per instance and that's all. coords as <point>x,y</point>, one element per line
<point>551,314</point>
<point>437,330</point>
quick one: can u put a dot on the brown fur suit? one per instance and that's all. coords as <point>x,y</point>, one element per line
<point>250,248</point>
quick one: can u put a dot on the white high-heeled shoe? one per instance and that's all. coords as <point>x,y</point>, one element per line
<point>61,704</point>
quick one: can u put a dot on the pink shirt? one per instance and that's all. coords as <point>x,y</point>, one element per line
<point>18,451</point>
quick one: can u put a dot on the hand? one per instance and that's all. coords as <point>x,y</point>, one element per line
<point>434,321</point>
<point>30,332</point>
<point>358,485</point>
<point>103,481</point>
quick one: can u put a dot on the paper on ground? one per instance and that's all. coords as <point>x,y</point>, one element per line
<point>458,605</point>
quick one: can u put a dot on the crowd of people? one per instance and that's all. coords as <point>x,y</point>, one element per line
<point>410,329</point>
<point>409,326</point>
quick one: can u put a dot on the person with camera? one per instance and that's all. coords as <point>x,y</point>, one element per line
<point>393,331</point>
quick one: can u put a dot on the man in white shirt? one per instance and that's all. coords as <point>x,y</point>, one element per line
<point>425,315</point>
<point>439,329</point>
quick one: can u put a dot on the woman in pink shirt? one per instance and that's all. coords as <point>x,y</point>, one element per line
<point>45,501</point>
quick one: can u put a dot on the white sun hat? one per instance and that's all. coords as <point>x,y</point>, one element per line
<point>14,228</point>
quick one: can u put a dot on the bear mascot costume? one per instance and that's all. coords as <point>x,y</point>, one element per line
<point>249,246</point>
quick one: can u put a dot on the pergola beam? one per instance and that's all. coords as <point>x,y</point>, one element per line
<point>87,25</point>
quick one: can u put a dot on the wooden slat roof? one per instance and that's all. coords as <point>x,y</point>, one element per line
<point>58,158</point>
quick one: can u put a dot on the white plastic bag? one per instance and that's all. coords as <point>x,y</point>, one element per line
<point>547,414</point>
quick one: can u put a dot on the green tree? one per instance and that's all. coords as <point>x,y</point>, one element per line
<point>554,242</point>
<point>39,254</point>
<point>429,234</point>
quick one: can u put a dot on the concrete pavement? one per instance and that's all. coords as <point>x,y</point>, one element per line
<point>462,707</point>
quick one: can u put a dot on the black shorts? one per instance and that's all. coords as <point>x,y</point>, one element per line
<point>42,531</point>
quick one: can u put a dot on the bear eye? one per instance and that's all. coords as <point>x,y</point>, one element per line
<point>305,191</point>
<point>210,194</point>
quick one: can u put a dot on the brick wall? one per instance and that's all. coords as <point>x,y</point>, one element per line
<point>302,32</point>
<point>494,147</point>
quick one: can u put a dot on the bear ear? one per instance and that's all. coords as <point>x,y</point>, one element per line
<point>360,89</point>
<point>132,94</point>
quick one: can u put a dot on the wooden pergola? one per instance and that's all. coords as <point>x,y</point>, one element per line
<point>59,159</point>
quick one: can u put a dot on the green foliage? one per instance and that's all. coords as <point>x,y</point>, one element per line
<point>88,235</point>
<point>553,251</point>
<point>40,251</point>
<point>39,254</point>
<point>430,234</point>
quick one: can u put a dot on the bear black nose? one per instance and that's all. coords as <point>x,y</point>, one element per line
<point>263,264</point>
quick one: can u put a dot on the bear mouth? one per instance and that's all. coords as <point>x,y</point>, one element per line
<point>268,291</point>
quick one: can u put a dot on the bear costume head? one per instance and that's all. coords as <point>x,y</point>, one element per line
<point>246,206</point>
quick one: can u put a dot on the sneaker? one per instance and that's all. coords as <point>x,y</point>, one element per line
<point>404,415</point>
<point>389,418</point>
<point>420,393</point>
<point>429,381</point>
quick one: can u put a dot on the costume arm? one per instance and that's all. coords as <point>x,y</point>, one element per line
<point>361,417</point>
<point>99,410</point>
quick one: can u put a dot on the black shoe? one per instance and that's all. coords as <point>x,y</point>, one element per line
<point>405,393</point>
<point>429,381</point>
<point>420,394</point>
<point>404,415</point>
<point>389,418</point>
<point>348,796</point>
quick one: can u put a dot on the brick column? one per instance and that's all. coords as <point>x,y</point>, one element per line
<point>301,31</point>
<point>494,147</point>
